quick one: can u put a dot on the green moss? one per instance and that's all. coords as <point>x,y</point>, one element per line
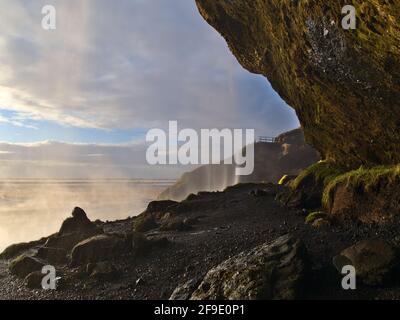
<point>365,178</point>
<point>314,216</point>
<point>321,172</point>
<point>283,179</point>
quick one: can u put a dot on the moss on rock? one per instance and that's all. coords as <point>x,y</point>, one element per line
<point>343,84</point>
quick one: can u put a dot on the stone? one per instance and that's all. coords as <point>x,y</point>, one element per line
<point>105,271</point>
<point>273,270</point>
<point>78,223</point>
<point>321,223</point>
<point>17,249</point>
<point>184,291</point>
<point>68,241</point>
<point>99,248</point>
<point>34,280</point>
<point>347,102</point>
<point>24,265</point>
<point>374,260</point>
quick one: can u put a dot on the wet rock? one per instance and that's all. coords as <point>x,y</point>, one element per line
<point>184,291</point>
<point>274,270</point>
<point>374,260</point>
<point>99,248</point>
<point>24,265</point>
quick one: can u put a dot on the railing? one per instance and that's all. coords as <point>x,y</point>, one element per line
<point>267,139</point>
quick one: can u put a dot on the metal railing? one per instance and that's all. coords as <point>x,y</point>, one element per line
<point>267,139</point>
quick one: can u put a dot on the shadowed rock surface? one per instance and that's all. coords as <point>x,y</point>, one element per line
<point>271,271</point>
<point>343,84</point>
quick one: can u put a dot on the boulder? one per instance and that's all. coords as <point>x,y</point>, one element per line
<point>68,241</point>
<point>73,230</point>
<point>374,260</point>
<point>34,280</point>
<point>24,265</point>
<point>99,248</point>
<point>274,270</point>
<point>17,249</point>
<point>78,223</point>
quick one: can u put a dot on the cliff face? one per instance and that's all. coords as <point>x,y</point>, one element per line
<point>343,84</point>
<point>288,156</point>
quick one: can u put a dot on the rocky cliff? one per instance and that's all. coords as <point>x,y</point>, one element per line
<point>288,156</point>
<point>343,84</point>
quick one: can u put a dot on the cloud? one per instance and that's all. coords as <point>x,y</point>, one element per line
<point>127,64</point>
<point>61,160</point>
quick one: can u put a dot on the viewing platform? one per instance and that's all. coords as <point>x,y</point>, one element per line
<point>267,139</point>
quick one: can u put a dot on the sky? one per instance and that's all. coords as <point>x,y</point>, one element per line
<point>77,101</point>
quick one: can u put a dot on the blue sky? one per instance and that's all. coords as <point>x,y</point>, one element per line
<point>114,69</point>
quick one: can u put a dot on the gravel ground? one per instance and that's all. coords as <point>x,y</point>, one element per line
<point>229,222</point>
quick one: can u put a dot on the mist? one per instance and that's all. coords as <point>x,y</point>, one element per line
<point>32,209</point>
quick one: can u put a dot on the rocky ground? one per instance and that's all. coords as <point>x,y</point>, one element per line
<point>182,249</point>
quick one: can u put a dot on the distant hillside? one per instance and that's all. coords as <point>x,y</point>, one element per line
<point>288,155</point>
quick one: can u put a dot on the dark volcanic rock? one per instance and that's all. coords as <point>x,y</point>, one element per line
<point>344,84</point>
<point>16,249</point>
<point>79,222</point>
<point>374,260</point>
<point>274,270</point>
<point>34,280</point>
<point>99,248</point>
<point>73,230</point>
<point>24,265</point>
